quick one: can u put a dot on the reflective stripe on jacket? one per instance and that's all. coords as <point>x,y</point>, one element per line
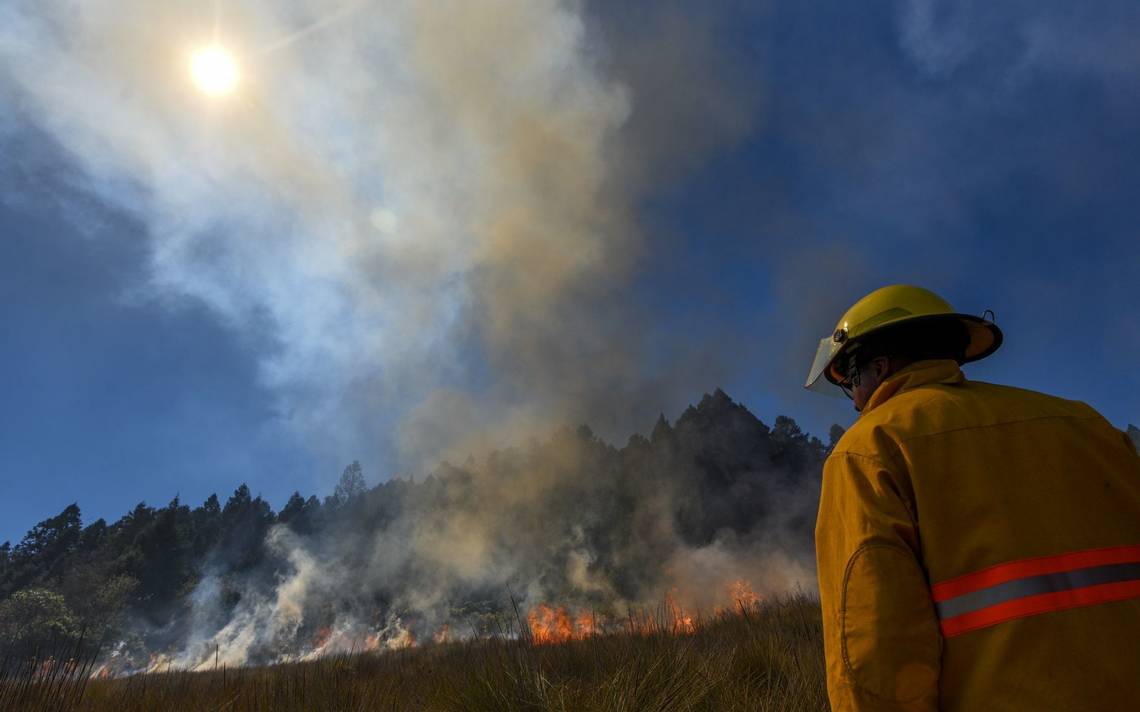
<point>978,548</point>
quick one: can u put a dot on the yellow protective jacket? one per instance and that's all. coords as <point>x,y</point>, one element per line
<point>978,549</point>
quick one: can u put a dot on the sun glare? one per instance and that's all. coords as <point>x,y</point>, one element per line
<point>214,70</point>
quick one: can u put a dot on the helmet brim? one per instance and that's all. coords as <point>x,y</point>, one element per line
<point>985,337</point>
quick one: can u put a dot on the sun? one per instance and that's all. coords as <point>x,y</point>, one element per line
<point>214,70</point>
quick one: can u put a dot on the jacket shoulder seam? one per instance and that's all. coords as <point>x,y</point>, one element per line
<point>999,423</point>
<point>864,456</point>
<point>892,461</point>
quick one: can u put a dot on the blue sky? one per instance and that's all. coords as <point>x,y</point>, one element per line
<point>829,148</point>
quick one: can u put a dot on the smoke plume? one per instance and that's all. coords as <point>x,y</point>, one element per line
<point>427,216</point>
<point>707,514</point>
<point>416,209</point>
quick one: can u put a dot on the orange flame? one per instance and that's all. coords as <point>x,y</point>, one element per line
<point>405,639</point>
<point>443,634</point>
<point>679,621</point>
<point>742,594</point>
<point>554,625</point>
<point>585,624</point>
<point>322,637</point>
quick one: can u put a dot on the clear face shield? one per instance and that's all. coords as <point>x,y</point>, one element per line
<point>816,380</point>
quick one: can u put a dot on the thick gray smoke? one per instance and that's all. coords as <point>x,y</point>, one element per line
<point>702,516</point>
<point>416,204</point>
<point>430,212</point>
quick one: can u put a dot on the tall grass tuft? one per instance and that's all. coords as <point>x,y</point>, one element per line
<point>53,677</point>
<point>763,657</point>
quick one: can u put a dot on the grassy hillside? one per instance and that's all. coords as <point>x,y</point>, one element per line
<point>765,657</point>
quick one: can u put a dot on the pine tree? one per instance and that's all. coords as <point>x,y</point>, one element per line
<point>350,486</point>
<point>293,509</point>
<point>206,524</point>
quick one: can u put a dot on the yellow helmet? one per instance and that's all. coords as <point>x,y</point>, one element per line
<point>891,306</point>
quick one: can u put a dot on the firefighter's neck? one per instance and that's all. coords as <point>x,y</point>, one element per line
<point>871,375</point>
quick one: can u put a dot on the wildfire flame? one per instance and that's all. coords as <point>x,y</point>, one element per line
<point>551,624</point>
<point>743,595</point>
<point>443,635</point>
<point>403,639</point>
<point>321,639</point>
<point>547,625</point>
<point>158,662</point>
<point>678,620</point>
<point>585,624</point>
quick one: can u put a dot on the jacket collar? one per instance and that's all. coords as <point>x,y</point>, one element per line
<point>919,373</point>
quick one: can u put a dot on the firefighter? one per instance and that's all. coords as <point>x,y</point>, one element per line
<point>978,545</point>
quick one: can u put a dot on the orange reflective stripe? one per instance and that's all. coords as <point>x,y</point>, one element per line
<point>1038,566</point>
<point>1040,585</point>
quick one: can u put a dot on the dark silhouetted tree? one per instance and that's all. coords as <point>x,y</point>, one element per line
<point>206,524</point>
<point>292,509</point>
<point>40,554</point>
<point>245,520</point>
<point>350,486</point>
<point>167,549</point>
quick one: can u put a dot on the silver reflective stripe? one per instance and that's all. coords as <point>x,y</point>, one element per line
<point>1033,585</point>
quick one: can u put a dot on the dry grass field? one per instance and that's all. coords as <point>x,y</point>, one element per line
<point>766,657</point>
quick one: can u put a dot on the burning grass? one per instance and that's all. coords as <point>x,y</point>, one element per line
<point>765,655</point>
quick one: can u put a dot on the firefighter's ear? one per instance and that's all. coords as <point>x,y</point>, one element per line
<point>881,367</point>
